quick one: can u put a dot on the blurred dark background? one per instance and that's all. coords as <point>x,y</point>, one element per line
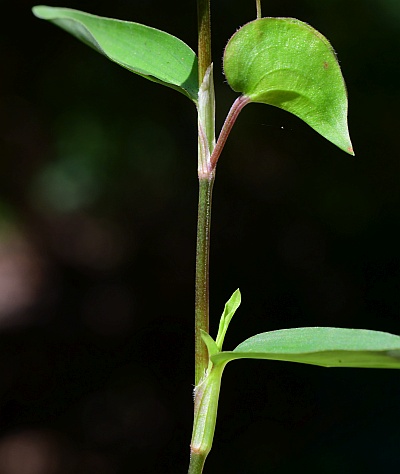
<point>98,198</point>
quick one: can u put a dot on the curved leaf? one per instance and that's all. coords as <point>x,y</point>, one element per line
<point>210,343</point>
<point>151,53</point>
<point>328,347</point>
<point>229,310</point>
<point>287,63</point>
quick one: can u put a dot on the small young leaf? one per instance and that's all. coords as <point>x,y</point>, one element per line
<point>287,63</point>
<point>327,347</point>
<point>151,53</point>
<point>230,309</point>
<point>210,343</point>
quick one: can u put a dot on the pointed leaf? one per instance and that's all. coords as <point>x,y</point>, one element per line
<point>230,308</point>
<point>151,53</point>
<point>287,63</point>
<point>210,343</point>
<point>328,347</point>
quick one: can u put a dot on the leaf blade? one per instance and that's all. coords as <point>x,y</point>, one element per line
<point>327,347</point>
<point>229,310</point>
<point>148,52</point>
<point>210,343</point>
<point>288,64</point>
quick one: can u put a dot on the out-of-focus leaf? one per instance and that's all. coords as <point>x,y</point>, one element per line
<point>151,53</point>
<point>287,63</point>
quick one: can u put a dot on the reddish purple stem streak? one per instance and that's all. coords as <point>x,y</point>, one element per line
<point>235,110</point>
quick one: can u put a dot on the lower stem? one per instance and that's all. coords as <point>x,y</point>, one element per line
<point>197,461</point>
<point>202,274</point>
<point>206,397</point>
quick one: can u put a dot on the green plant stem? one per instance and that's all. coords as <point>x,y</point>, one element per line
<point>206,133</point>
<point>205,417</point>
<point>258,5</point>
<point>197,461</point>
<point>204,41</point>
<point>202,274</point>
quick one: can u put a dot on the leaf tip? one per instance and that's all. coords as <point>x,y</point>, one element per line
<point>210,343</point>
<point>238,294</point>
<point>40,11</point>
<point>350,151</point>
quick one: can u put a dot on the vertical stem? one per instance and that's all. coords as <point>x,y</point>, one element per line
<point>204,30</point>
<point>206,132</point>
<point>206,136</point>
<point>258,6</point>
<point>207,165</point>
<point>202,274</point>
<point>196,465</point>
<point>205,417</point>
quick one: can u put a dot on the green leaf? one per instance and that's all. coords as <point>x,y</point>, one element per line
<point>328,347</point>
<point>210,343</point>
<point>230,309</point>
<point>287,63</point>
<point>151,53</point>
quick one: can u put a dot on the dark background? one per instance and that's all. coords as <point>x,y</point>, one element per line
<point>98,197</point>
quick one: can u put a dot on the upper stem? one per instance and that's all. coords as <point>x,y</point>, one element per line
<point>204,41</point>
<point>258,6</point>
